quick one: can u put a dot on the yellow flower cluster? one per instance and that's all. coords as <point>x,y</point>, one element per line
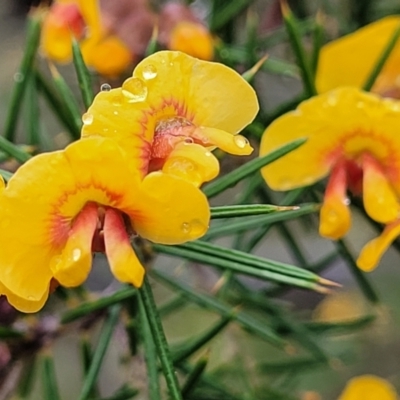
<point>145,150</point>
<point>353,136</point>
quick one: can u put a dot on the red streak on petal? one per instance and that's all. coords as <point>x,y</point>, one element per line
<point>354,177</point>
<point>337,183</point>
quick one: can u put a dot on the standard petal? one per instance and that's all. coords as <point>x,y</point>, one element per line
<point>210,94</point>
<point>123,261</point>
<point>172,211</point>
<point>193,163</point>
<point>343,123</point>
<point>348,61</point>
<point>373,251</point>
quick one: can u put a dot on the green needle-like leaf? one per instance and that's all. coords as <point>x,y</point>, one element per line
<point>49,381</point>
<point>186,349</point>
<point>91,306</point>
<point>102,346</point>
<point>230,228</point>
<point>6,174</point>
<point>247,264</point>
<point>150,354</point>
<point>85,82</point>
<point>318,39</point>
<point>295,38</point>
<point>195,375</point>
<point>32,113</point>
<point>382,60</point>
<point>209,302</point>
<point>229,10</point>
<point>124,393</point>
<point>232,178</point>
<point>160,341</point>
<point>21,77</point>
<point>247,210</point>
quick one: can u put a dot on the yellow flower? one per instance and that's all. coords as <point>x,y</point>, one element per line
<point>368,387</point>
<point>348,61</point>
<point>81,19</point>
<point>192,38</point>
<point>173,111</point>
<point>61,206</point>
<point>352,137</point>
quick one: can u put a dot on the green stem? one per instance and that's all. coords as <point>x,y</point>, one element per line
<point>50,387</point>
<point>160,341</point>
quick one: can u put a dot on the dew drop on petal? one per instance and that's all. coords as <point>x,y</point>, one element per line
<point>76,254</point>
<point>186,227</point>
<point>115,112</point>
<point>240,141</point>
<point>134,90</point>
<point>87,118</point>
<point>347,201</point>
<point>149,72</point>
<point>208,154</point>
<point>105,87</point>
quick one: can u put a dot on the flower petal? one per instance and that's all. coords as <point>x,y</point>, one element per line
<point>173,211</point>
<point>192,162</point>
<point>21,304</point>
<point>215,95</point>
<point>343,123</point>
<point>348,61</point>
<point>368,387</point>
<point>193,39</point>
<point>335,218</point>
<point>237,144</point>
<point>380,200</point>
<point>73,265</point>
<point>373,251</point>
<point>123,261</point>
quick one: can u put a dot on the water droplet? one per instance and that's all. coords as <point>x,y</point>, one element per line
<point>135,90</point>
<point>18,77</point>
<point>115,112</point>
<point>347,201</point>
<point>87,118</point>
<point>186,227</point>
<point>332,100</point>
<point>149,72</point>
<point>208,154</point>
<point>241,141</point>
<point>76,254</point>
<point>105,87</point>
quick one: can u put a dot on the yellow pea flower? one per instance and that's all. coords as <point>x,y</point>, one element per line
<point>349,60</point>
<point>61,206</point>
<point>81,19</point>
<point>173,111</point>
<point>352,137</point>
<point>368,387</point>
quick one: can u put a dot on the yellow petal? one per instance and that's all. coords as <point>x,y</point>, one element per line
<point>107,55</point>
<point>373,251</point>
<point>368,387</point>
<point>348,61</point>
<point>193,39</point>
<point>237,145</point>
<point>22,304</point>
<point>380,200</point>
<point>173,211</point>
<point>335,218</point>
<point>193,163</point>
<point>73,265</point>
<point>123,261</point>
<point>214,95</point>
<point>344,123</point>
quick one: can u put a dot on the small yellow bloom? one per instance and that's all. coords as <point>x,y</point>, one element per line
<point>61,206</point>
<point>80,19</point>
<point>192,38</point>
<point>352,137</point>
<point>173,111</point>
<point>368,387</point>
<point>349,60</point>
